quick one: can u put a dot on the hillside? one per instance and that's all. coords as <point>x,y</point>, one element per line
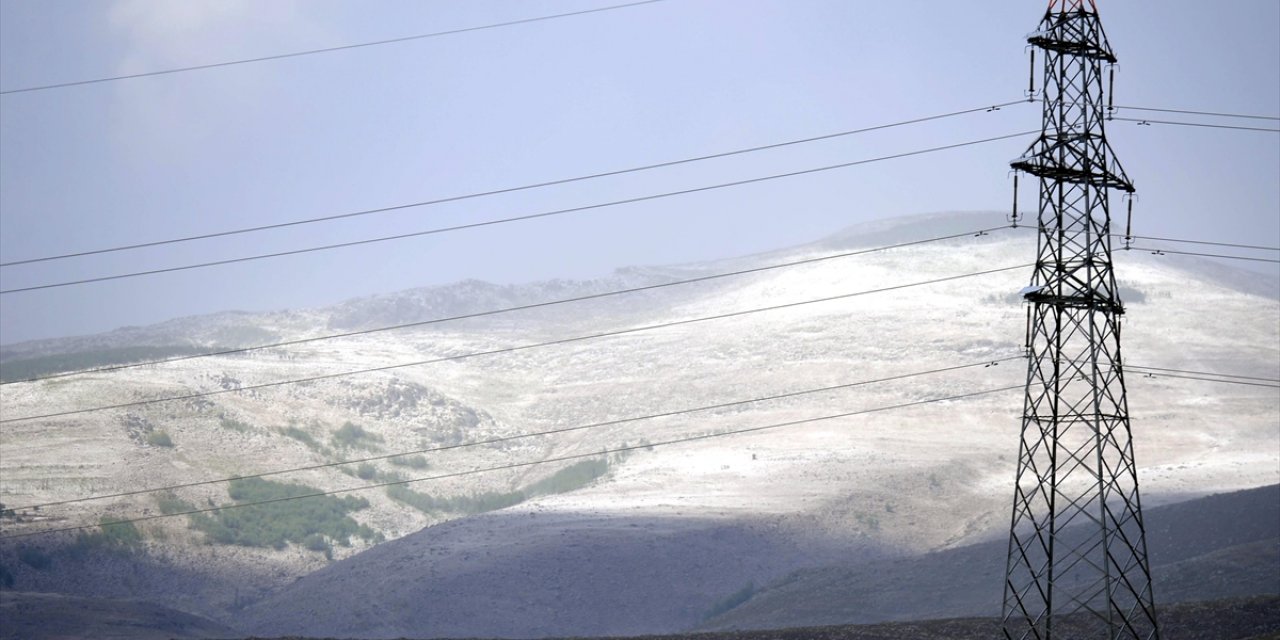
<point>28,616</point>
<point>596,580</point>
<point>1255,618</point>
<point>1193,557</point>
<point>889,484</point>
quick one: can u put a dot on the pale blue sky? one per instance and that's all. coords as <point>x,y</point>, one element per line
<point>152,158</point>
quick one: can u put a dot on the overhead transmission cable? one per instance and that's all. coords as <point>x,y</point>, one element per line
<point>1158,251</point>
<point>1198,375</point>
<point>1144,121</point>
<point>537,185</point>
<point>595,296</point>
<point>1240,382</point>
<point>512,349</point>
<point>523,436</point>
<point>1207,373</point>
<point>610,423</point>
<point>1215,114</point>
<point>525,307</point>
<point>1199,113</point>
<point>309,52</point>
<point>533,216</point>
<point>1207,376</point>
<point>519,465</point>
<point>1204,242</point>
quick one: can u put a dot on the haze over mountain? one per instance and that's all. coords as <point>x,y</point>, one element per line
<point>638,539</point>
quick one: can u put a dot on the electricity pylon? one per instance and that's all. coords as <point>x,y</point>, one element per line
<point>1077,564</point>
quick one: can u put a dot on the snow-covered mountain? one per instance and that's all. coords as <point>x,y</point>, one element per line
<point>659,535</point>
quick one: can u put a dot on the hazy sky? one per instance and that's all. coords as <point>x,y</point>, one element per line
<point>153,158</point>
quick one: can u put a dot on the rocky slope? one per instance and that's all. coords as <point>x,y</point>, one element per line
<point>904,481</point>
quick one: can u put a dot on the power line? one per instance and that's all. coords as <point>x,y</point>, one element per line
<point>606,294</point>
<point>366,212</point>
<point>1204,242</point>
<point>296,54</point>
<point>1206,373</point>
<point>491,441</point>
<point>1240,382</point>
<point>609,423</point>
<point>518,465</point>
<point>1204,255</point>
<point>1144,121</point>
<point>526,307</point>
<point>605,334</point>
<point>473,225</point>
<point>597,425</point>
<point>1200,113</point>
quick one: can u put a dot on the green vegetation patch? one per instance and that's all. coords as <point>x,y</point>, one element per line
<point>353,436</point>
<point>470,504</point>
<point>570,478</point>
<point>170,504</point>
<point>159,439</point>
<point>112,536</point>
<point>276,524</point>
<point>413,462</point>
<point>235,425</point>
<point>34,558</point>
<point>17,370</point>
<point>303,437</point>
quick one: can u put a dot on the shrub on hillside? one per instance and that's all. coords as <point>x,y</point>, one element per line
<point>285,517</point>
<point>353,436</point>
<point>469,504</point>
<point>303,437</point>
<point>112,536</point>
<point>159,439</point>
<point>413,462</point>
<point>570,478</point>
<point>315,542</point>
<point>170,504</point>
<point>34,558</point>
<point>235,425</point>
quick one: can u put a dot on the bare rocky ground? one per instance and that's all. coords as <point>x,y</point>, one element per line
<point>904,482</point>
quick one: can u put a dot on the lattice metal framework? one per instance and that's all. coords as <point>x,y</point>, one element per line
<point>1077,564</point>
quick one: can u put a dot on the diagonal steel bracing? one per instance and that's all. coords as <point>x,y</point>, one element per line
<point>1077,545</point>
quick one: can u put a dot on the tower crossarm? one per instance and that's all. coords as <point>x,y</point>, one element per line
<point>1073,28</point>
<point>1074,157</point>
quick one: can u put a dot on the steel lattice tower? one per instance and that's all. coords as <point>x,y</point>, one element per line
<point>1077,564</point>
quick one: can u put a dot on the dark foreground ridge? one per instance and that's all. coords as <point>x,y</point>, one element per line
<point>1234,619</point>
